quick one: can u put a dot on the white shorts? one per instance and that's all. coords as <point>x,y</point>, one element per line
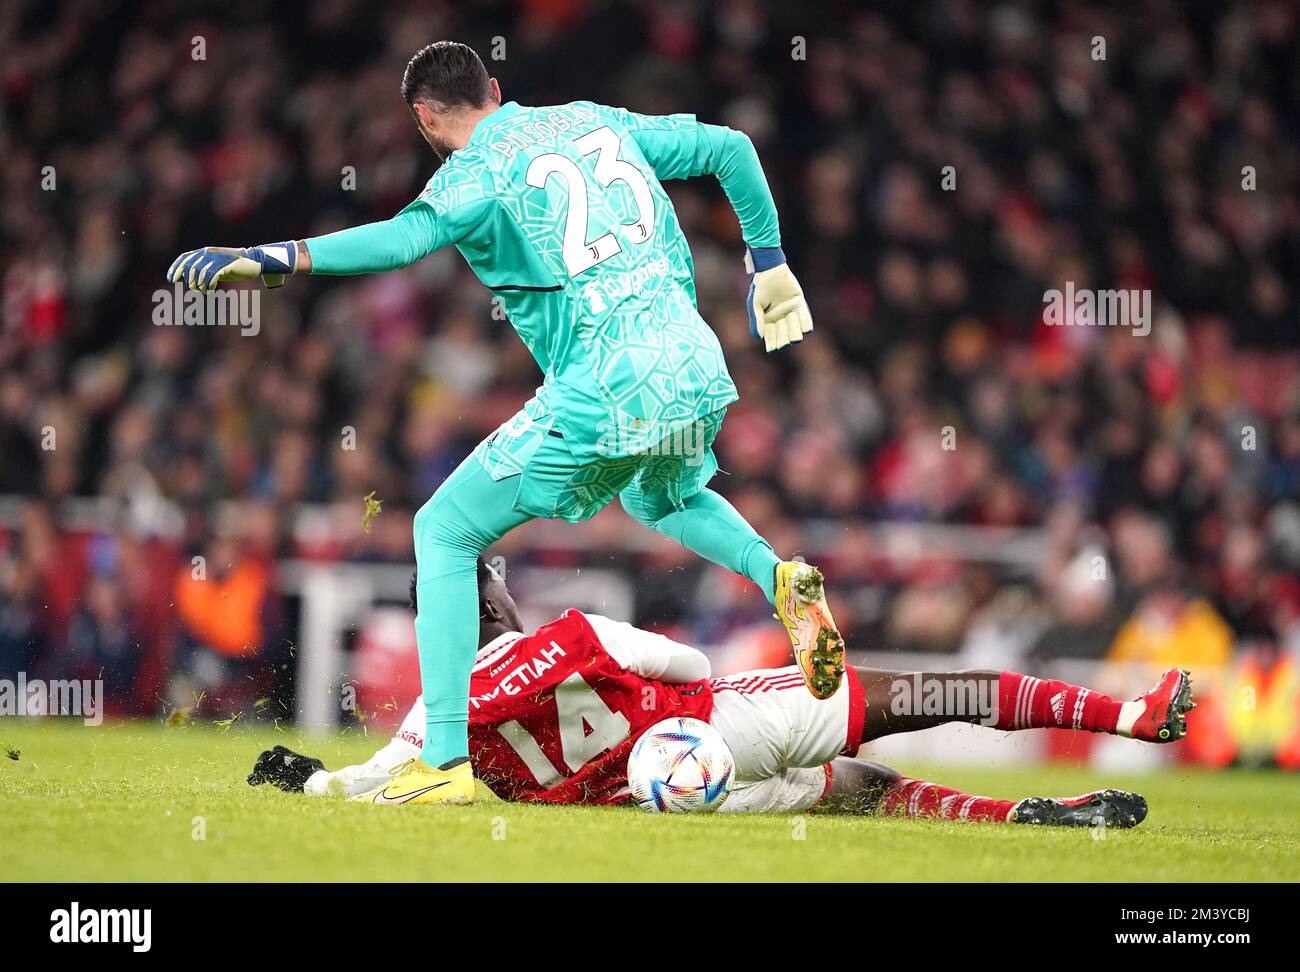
<point>782,738</point>
<point>790,791</point>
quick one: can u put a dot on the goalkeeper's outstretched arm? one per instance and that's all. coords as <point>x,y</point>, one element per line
<point>390,244</point>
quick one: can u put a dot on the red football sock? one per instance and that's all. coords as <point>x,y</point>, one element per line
<point>1025,702</point>
<point>916,798</point>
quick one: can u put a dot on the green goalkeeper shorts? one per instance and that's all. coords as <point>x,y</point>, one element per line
<point>556,484</point>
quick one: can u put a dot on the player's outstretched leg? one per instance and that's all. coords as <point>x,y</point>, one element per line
<point>669,495</point>
<point>711,527</point>
<point>908,701</point>
<point>862,787</point>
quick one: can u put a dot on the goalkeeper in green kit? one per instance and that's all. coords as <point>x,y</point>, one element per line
<point>560,212</point>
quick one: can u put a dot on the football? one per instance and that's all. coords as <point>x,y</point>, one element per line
<point>680,766</point>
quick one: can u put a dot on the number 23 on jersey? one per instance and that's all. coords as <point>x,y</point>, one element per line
<point>579,253</point>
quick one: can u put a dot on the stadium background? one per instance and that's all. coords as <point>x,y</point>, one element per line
<point>1112,503</point>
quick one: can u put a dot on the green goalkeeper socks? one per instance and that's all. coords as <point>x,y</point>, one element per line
<point>469,512</point>
<point>712,528</point>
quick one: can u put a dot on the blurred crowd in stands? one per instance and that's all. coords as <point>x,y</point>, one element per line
<point>1164,468</point>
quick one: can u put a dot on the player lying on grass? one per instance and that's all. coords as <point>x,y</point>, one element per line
<point>560,212</point>
<point>553,716</point>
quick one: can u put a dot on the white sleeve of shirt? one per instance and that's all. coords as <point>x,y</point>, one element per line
<point>648,654</point>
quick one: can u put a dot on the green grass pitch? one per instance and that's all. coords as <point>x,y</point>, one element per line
<point>122,802</point>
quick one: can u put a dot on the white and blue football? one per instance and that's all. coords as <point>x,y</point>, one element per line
<point>680,766</point>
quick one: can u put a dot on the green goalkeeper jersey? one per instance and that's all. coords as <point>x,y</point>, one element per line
<point>560,212</point>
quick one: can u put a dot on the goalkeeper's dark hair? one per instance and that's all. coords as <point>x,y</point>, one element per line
<point>449,76</point>
<point>485,574</point>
